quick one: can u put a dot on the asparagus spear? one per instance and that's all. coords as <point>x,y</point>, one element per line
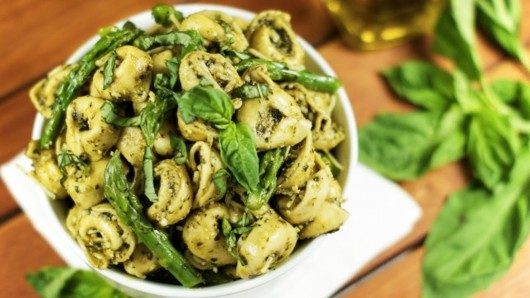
<point>77,78</point>
<point>280,72</point>
<point>251,91</point>
<point>151,119</point>
<point>129,209</point>
<point>270,164</point>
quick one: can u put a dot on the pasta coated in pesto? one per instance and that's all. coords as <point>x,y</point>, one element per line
<point>193,145</point>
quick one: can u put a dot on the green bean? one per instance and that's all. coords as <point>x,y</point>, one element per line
<point>129,209</point>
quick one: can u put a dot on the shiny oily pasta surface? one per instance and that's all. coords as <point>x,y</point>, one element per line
<point>195,197</point>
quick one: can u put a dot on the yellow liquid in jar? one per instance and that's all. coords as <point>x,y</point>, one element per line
<point>376,24</point>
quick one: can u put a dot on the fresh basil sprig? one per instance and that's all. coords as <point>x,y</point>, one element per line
<point>422,84</point>
<point>501,20</point>
<point>58,282</point>
<point>476,235</point>
<point>455,37</point>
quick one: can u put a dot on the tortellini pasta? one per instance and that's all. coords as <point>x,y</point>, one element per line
<point>268,244</point>
<point>203,237</point>
<point>187,190</point>
<point>141,262</point>
<point>276,120</point>
<point>105,240</point>
<point>43,93</point>
<point>86,130</point>
<point>131,79</point>
<point>271,35</point>
<point>204,162</point>
<point>216,27</point>
<point>174,194</point>
<point>86,189</point>
<point>206,68</point>
<point>46,170</point>
<point>196,130</point>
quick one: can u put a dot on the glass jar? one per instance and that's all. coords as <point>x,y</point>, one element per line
<point>377,24</point>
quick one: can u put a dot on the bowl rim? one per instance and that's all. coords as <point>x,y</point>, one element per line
<point>127,282</point>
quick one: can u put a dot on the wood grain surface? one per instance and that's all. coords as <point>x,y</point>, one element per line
<point>37,35</point>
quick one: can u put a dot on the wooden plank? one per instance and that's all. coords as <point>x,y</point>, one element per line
<point>15,128</point>
<point>22,251</point>
<point>42,34</point>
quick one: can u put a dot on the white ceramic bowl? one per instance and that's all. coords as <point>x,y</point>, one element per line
<point>346,153</point>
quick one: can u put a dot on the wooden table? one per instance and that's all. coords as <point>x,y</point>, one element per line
<point>37,35</point>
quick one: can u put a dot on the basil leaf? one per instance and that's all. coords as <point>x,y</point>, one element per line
<point>238,152</point>
<point>52,282</point>
<point>476,235</point>
<point>152,116</point>
<point>423,84</point>
<point>405,146</point>
<point>108,70</point>
<point>181,152</point>
<point>207,103</point>
<point>455,38</point>
<point>108,112</point>
<point>220,181</point>
<point>501,20</point>
<point>187,40</point>
<point>166,15</point>
<point>493,147</point>
<point>67,158</point>
<point>517,94</point>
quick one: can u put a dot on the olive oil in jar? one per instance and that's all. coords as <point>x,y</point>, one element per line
<point>376,24</point>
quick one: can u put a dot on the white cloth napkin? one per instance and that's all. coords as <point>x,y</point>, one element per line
<point>381,213</point>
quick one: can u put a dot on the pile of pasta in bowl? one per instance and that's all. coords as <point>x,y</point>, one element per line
<point>196,152</point>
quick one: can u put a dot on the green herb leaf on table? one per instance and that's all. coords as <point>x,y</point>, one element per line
<point>238,153</point>
<point>405,146</point>
<point>207,103</point>
<point>501,20</point>
<point>455,36</point>
<point>422,84</point>
<point>55,282</point>
<point>493,147</point>
<point>476,235</point>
